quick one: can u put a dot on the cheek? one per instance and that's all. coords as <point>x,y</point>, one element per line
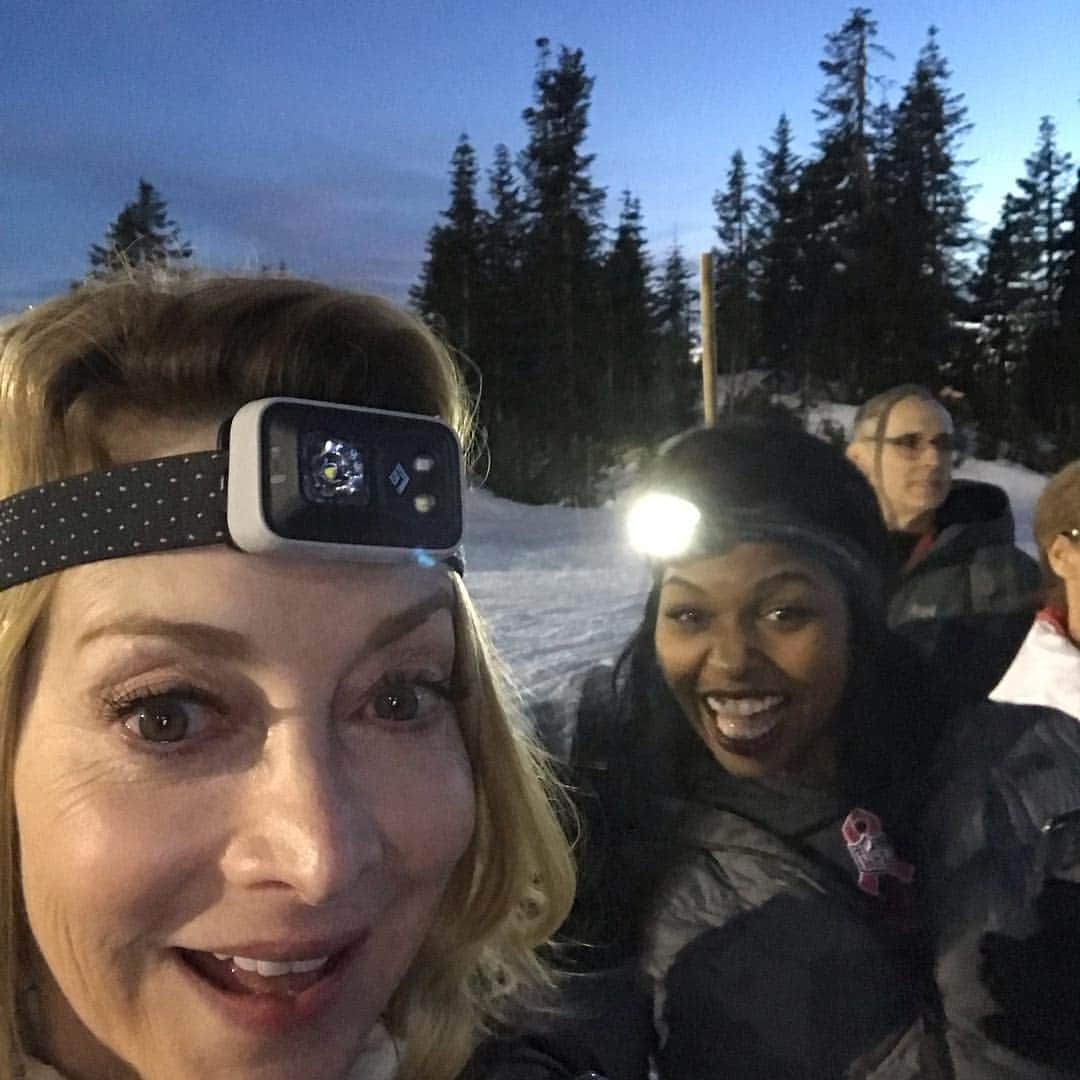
<point>678,655</point>
<point>426,808</point>
<point>826,665</point>
<point>115,863</point>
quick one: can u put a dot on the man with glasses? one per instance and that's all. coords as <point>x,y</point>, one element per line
<point>966,593</point>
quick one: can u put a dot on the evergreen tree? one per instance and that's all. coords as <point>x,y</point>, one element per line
<point>1001,294</point>
<point>841,304</point>
<point>1019,288</point>
<point>1045,191</point>
<point>734,285</point>
<point>560,356</point>
<point>142,234</point>
<point>779,254</point>
<point>446,290</point>
<point>921,223</point>
<point>502,304</point>
<point>1069,316</point>
<point>678,388</point>
<point>630,343</point>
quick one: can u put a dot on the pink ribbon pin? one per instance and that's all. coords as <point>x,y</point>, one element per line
<point>872,851</point>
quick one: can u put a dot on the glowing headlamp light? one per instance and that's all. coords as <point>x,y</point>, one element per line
<point>291,477</point>
<point>662,526</point>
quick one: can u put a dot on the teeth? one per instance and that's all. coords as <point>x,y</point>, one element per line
<point>728,706</point>
<point>744,718</point>
<point>270,968</point>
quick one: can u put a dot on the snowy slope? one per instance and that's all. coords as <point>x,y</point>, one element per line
<point>560,589</point>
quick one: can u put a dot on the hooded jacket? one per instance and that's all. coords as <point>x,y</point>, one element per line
<point>967,600</point>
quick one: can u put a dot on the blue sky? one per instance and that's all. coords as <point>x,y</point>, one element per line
<point>320,132</point>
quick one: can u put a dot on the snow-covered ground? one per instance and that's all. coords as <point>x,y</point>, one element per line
<point>560,589</point>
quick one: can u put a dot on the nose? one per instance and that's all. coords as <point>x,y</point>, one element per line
<point>302,823</point>
<point>729,649</point>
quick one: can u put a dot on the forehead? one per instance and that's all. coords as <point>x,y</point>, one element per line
<point>305,609</point>
<point>746,567</point>
<point>913,414</point>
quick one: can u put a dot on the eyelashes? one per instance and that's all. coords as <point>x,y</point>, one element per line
<point>177,716</point>
<point>166,716</point>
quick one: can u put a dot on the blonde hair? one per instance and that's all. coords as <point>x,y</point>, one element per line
<point>199,346</point>
<point>1057,511</point>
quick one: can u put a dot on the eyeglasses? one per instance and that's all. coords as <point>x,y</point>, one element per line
<point>912,444</point>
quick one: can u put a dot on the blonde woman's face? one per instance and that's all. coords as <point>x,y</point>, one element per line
<point>241,790</point>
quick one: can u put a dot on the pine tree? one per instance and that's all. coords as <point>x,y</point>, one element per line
<point>779,253</point>
<point>1045,191</point>
<point>142,234</point>
<point>840,300</point>
<point>734,284</point>
<point>921,223</point>
<point>630,342</point>
<point>678,380</point>
<point>445,292</point>
<point>502,305</point>
<point>1069,316</point>
<point>562,272</point>
<point>1019,287</point>
<point>1001,299</point>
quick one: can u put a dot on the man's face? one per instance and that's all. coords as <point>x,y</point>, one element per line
<point>911,467</point>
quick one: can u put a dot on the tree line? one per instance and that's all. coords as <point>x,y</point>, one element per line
<point>842,272</point>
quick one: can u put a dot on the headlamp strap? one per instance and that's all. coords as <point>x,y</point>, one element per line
<point>157,505</point>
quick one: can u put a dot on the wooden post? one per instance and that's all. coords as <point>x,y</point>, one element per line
<point>708,340</point>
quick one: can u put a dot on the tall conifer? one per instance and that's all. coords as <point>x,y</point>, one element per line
<point>446,292</point>
<point>736,253</point>
<point>143,233</point>
<point>562,271</point>
<point>779,251</point>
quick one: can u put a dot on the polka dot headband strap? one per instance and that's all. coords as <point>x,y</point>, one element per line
<point>292,477</point>
<point>158,505</point>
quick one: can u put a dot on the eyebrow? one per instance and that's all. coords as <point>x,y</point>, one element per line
<point>781,577</point>
<point>231,645</point>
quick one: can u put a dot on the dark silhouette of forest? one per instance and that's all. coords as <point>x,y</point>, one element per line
<point>840,273</point>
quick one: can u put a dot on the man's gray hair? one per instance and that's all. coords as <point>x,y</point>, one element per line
<point>880,405</point>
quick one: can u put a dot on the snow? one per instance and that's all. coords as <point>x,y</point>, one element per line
<point>560,589</point>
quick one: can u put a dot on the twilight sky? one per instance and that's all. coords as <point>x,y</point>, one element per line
<point>320,131</point>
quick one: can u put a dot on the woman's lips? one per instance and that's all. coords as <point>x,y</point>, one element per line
<point>265,1004</point>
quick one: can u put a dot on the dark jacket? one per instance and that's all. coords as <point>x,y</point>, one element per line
<point>968,600</point>
<point>597,1028</point>
<point>768,963</point>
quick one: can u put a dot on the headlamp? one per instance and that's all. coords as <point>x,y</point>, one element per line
<point>290,477</point>
<point>662,526</point>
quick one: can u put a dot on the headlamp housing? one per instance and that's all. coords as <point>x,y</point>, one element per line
<point>342,482</point>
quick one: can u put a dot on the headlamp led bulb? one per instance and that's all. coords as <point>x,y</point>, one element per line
<point>662,526</point>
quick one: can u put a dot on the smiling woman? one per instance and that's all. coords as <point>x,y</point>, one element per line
<point>266,812</point>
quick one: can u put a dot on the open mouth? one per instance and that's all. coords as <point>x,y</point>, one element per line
<point>743,718</point>
<point>243,975</point>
